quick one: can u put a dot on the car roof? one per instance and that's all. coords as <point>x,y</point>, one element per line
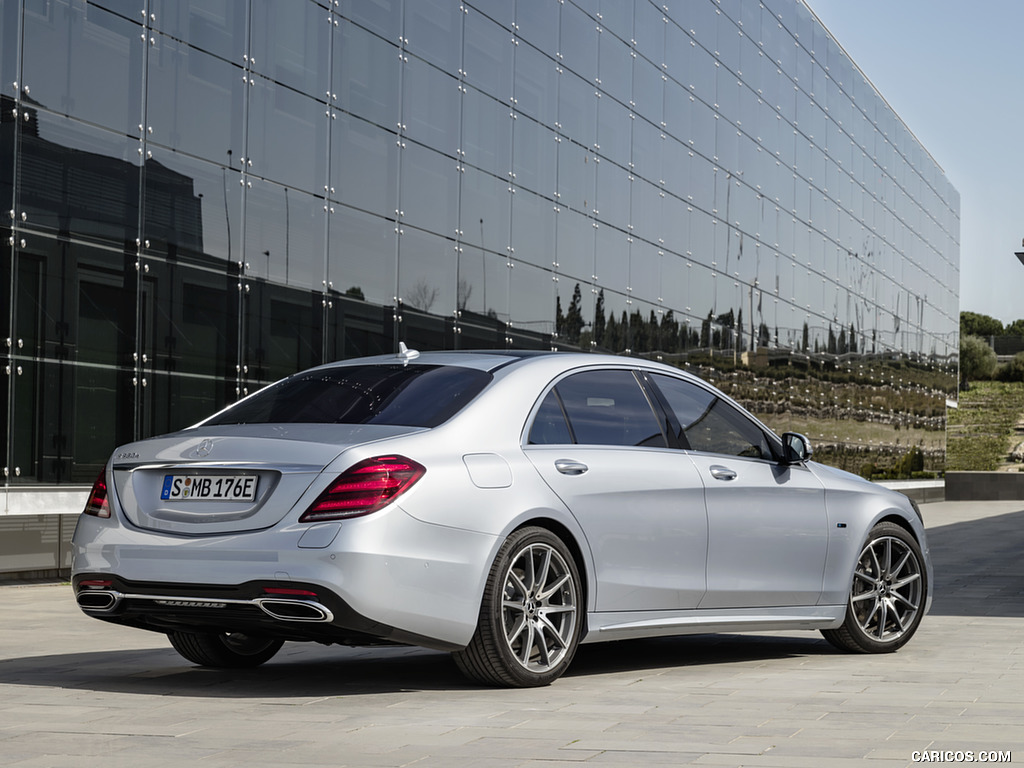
<point>491,360</point>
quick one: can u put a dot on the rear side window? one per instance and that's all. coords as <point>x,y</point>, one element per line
<point>413,396</point>
<point>597,408</point>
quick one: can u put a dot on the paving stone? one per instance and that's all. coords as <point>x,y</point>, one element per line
<point>78,693</point>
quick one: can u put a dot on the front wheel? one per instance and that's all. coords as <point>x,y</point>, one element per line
<point>229,650</point>
<point>531,615</point>
<point>888,594</point>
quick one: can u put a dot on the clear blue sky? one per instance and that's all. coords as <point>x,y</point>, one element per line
<point>954,72</point>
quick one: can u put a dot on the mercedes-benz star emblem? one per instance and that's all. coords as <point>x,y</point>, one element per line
<point>203,449</point>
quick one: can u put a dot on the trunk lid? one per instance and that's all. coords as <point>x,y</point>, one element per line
<point>229,478</point>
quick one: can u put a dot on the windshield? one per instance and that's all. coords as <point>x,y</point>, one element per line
<point>414,396</point>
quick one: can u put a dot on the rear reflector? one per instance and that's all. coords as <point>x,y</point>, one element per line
<point>97,504</point>
<point>364,488</point>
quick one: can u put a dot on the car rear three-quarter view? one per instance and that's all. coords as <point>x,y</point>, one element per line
<point>503,506</point>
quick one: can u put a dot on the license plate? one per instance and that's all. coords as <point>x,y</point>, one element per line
<point>209,488</point>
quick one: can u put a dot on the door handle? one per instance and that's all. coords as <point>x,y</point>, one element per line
<point>722,473</point>
<point>570,467</point>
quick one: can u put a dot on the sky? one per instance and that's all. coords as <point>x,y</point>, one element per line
<point>954,73</point>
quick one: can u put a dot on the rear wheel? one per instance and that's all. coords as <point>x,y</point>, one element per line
<point>231,650</point>
<point>531,615</point>
<point>888,594</point>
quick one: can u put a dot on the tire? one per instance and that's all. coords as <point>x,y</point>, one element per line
<point>887,596</point>
<point>531,615</point>
<point>224,650</point>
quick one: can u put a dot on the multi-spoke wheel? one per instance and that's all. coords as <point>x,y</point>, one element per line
<point>887,597</point>
<point>531,614</point>
<point>232,650</point>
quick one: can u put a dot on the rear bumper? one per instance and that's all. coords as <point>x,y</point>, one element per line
<point>310,613</point>
<point>385,577</point>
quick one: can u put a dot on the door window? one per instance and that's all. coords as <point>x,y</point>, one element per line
<point>708,423</point>
<point>597,408</point>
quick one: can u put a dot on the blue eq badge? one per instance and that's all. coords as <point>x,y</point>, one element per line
<point>165,494</point>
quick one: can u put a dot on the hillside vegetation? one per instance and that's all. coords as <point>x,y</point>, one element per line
<point>982,431</point>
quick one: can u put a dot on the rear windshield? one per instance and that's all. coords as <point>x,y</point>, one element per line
<point>413,396</point>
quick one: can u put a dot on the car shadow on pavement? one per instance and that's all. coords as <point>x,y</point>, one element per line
<point>978,567</point>
<point>303,671</point>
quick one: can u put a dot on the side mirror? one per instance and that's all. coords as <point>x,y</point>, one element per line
<point>796,448</point>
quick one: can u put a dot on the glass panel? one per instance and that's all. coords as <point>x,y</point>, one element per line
<point>284,333</point>
<point>615,67</point>
<point>364,165</point>
<point>577,177</point>
<point>484,214</point>
<point>533,229</point>
<point>430,106</point>
<point>612,204</point>
<point>614,132</point>
<point>287,137</point>
<point>426,272</point>
<point>535,157</point>
<point>486,133</point>
<point>365,77</point>
<point>218,28</point>
<point>361,259</point>
<point>578,43</point>
<point>192,208</point>
<point>488,56</point>
<point>536,84</point>
<point>284,235</point>
<point>433,31</point>
<point>291,45</point>
<point>532,306</point>
<point>83,62</point>
<point>381,16</point>
<point>430,190</point>
<point>537,24</point>
<point>612,258</point>
<point>577,110</point>
<point>195,102</point>
<point>75,178</point>
<point>649,32</point>
<point>575,243</point>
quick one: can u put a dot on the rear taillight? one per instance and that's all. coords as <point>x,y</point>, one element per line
<point>364,488</point>
<point>98,506</point>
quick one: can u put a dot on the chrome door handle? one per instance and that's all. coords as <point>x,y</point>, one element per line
<point>570,467</point>
<point>722,473</point>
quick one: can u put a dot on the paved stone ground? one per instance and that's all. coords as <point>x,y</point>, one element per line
<point>75,692</point>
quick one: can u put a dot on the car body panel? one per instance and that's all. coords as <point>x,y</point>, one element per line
<point>767,532</point>
<point>644,517</point>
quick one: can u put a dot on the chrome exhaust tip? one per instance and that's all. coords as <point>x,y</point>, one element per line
<point>295,610</point>
<point>97,599</point>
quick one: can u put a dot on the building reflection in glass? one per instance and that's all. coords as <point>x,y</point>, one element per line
<point>206,198</point>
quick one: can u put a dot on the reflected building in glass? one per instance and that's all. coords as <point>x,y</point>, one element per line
<point>204,197</point>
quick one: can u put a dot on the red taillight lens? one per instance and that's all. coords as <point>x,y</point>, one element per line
<point>364,488</point>
<point>98,506</point>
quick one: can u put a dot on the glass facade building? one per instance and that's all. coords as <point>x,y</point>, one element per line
<point>201,197</point>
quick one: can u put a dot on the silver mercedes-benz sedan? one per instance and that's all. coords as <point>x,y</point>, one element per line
<point>505,506</point>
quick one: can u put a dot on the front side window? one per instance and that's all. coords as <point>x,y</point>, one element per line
<point>597,408</point>
<point>708,423</point>
<point>413,396</point>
